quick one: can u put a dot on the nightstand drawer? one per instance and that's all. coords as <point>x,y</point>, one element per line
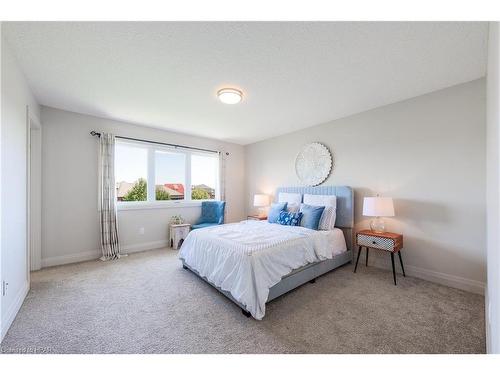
<point>376,242</point>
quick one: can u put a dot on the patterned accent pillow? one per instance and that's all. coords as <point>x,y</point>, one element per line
<point>289,218</point>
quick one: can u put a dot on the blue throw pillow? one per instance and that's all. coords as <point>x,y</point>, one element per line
<point>311,216</point>
<point>274,211</point>
<point>289,218</point>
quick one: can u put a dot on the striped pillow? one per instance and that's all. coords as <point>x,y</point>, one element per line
<point>327,221</point>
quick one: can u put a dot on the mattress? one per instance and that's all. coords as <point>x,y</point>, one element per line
<point>246,259</point>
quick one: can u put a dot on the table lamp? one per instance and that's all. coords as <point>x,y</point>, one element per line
<point>261,201</point>
<point>378,207</point>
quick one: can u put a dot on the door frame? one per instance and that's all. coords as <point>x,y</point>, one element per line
<point>33,195</point>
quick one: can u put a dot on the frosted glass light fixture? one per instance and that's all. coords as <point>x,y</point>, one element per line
<point>229,96</point>
<point>378,207</point>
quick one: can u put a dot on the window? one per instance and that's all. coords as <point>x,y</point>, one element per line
<point>157,175</point>
<point>204,172</point>
<point>170,175</point>
<point>131,172</point>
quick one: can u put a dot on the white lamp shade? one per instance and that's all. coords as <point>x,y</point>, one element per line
<point>378,206</point>
<point>261,200</point>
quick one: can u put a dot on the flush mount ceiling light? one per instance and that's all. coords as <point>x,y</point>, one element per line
<point>230,96</point>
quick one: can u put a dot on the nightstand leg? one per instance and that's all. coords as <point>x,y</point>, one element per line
<point>357,259</point>
<point>401,261</point>
<point>393,269</point>
<point>367,256</point>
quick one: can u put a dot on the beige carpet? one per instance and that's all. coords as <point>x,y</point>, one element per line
<point>146,303</point>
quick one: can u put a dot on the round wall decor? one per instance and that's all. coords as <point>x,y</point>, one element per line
<point>313,164</point>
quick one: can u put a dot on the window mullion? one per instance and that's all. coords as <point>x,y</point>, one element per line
<point>187,171</point>
<point>151,175</point>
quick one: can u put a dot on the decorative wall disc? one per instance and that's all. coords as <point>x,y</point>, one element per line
<point>313,164</point>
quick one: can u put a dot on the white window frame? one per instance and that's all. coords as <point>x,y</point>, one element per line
<point>151,202</point>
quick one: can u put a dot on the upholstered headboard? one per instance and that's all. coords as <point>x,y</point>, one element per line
<point>345,205</point>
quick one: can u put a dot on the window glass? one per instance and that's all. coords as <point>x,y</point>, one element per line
<point>131,172</point>
<point>170,175</point>
<point>204,176</point>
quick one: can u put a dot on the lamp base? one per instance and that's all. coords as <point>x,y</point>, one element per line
<point>377,225</point>
<point>262,212</point>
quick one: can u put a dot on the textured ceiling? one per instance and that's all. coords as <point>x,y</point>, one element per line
<point>293,75</point>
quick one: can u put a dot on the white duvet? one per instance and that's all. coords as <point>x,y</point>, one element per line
<point>250,257</point>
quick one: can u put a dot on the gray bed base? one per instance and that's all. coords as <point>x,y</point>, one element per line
<point>294,279</point>
<point>308,273</point>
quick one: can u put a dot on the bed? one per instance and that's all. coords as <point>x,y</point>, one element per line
<point>254,262</point>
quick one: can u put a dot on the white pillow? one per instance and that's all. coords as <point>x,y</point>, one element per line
<point>293,207</point>
<point>327,221</point>
<point>290,198</point>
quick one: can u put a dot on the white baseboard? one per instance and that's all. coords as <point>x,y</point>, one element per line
<point>128,249</point>
<point>70,258</point>
<point>487,318</point>
<point>13,310</point>
<point>96,254</point>
<point>453,281</point>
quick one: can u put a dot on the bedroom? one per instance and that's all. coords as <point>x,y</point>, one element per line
<point>312,187</point>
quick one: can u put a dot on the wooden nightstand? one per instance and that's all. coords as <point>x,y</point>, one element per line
<point>256,217</point>
<point>391,242</point>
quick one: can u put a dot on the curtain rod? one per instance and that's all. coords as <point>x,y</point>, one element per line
<point>96,134</point>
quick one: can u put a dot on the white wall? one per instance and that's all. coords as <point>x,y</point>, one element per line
<point>493,192</point>
<point>428,153</point>
<point>70,222</point>
<point>1,148</point>
<point>16,96</point>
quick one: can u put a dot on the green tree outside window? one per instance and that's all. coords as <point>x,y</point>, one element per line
<point>161,194</point>
<point>139,191</point>
<point>199,194</point>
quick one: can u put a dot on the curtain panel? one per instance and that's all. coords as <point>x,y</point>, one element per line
<point>110,245</point>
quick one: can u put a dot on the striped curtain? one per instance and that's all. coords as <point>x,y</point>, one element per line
<point>110,245</point>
